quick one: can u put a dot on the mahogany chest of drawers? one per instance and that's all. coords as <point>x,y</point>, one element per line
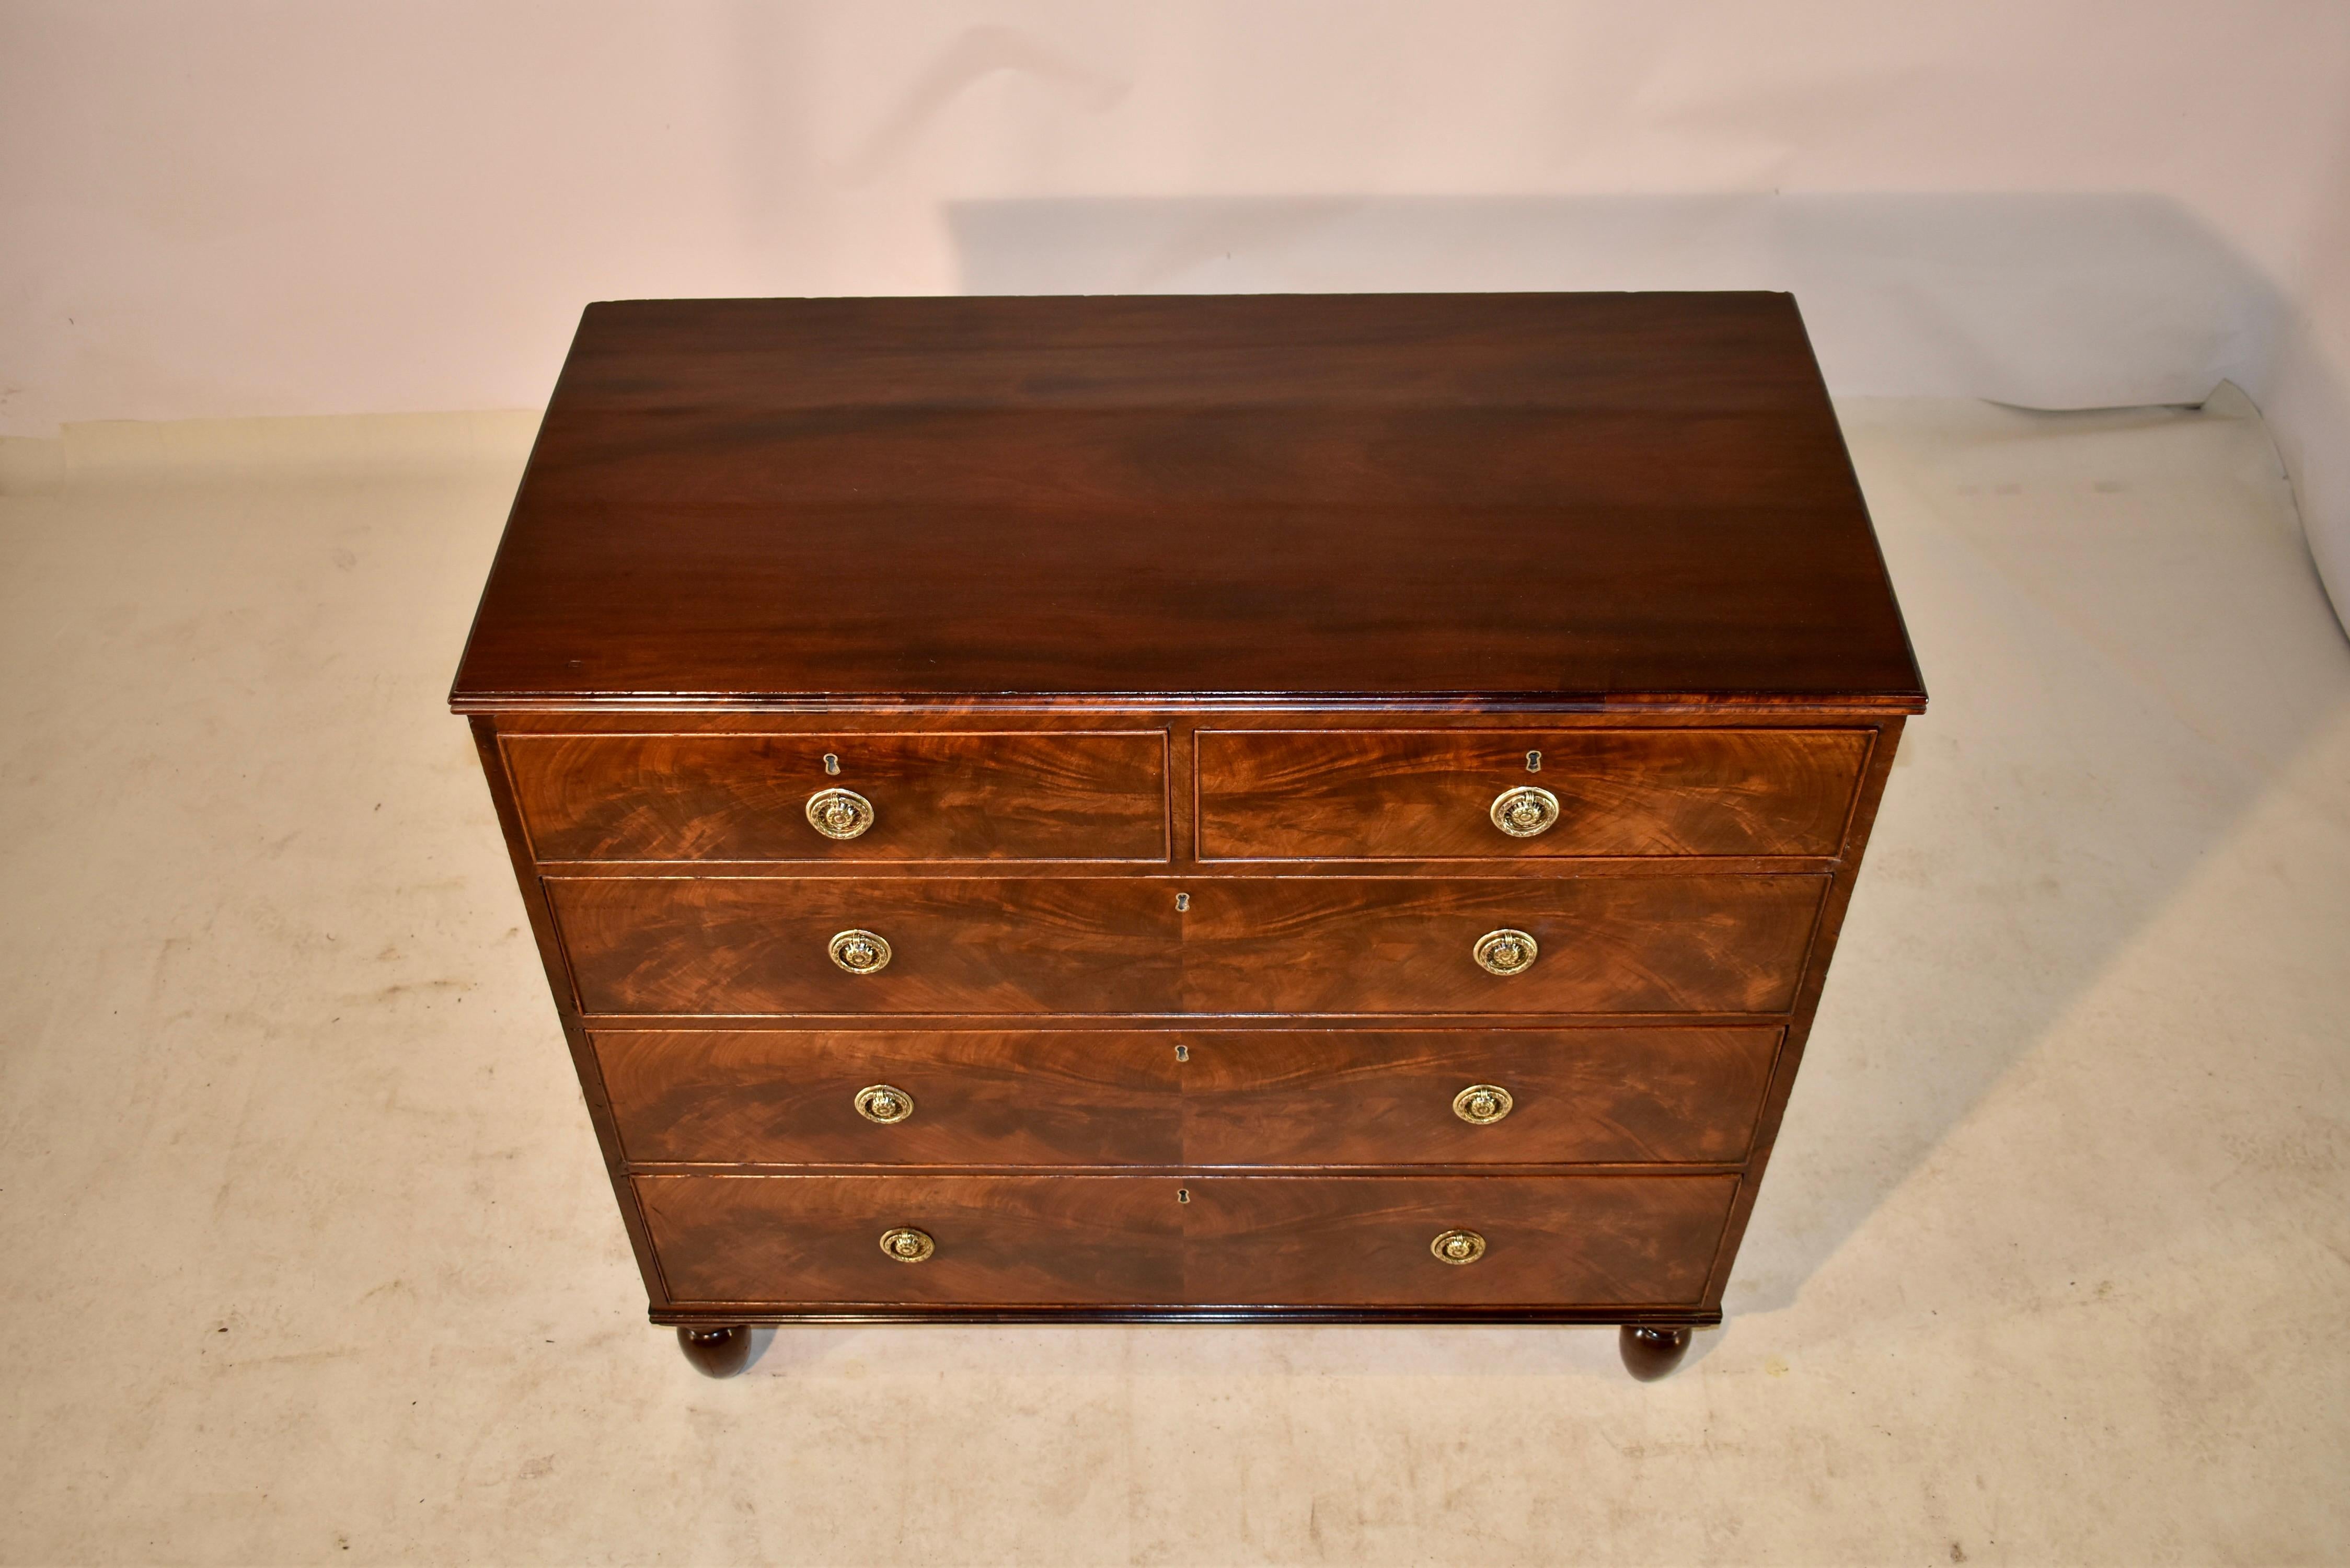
<point>1289,807</point>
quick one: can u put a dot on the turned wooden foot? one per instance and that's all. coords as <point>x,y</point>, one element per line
<point>718,1352</point>
<point>1651,1352</point>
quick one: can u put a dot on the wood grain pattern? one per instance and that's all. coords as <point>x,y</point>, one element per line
<point>782,1097</point>
<point>936,797</point>
<point>1329,566</point>
<point>1358,795</point>
<point>758,945</point>
<point>1108,1240</point>
<point>1266,1098</point>
<point>1319,945</point>
<point>1477,495</point>
<point>1359,945</point>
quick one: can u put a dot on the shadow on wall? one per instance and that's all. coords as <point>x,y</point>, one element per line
<point>2043,301</point>
<point>2100,646</point>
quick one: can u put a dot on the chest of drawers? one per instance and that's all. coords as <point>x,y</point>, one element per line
<point>1219,808</point>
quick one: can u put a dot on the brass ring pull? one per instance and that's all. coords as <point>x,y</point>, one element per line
<point>884,1102</point>
<point>907,1245</point>
<point>1457,1246</point>
<point>860,952</point>
<point>1505,951</point>
<point>839,813</point>
<point>1479,1105</point>
<point>1524,810</point>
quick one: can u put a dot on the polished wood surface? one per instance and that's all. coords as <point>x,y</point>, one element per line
<point>1204,1240</point>
<point>1400,794</point>
<point>721,1351</point>
<point>1196,1098</point>
<point>952,796</point>
<point>1346,945</point>
<point>759,945</point>
<point>1306,945</point>
<point>1483,496</point>
<point>1181,645</point>
<point>1650,1352</point>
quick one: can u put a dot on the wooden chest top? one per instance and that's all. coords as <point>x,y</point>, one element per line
<point>1483,499</point>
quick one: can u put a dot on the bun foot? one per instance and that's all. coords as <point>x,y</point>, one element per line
<point>1649,1353</point>
<point>722,1352</point>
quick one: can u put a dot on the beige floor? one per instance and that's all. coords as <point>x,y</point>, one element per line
<point>308,1256</point>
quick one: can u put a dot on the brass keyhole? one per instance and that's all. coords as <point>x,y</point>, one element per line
<point>1182,1053</point>
<point>831,764</point>
<point>1182,902</point>
<point>1533,762</point>
<point>1182,1195</point>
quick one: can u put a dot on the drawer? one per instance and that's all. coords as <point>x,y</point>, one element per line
<point>1318,945</point>
<point>1269,1098</point>
<point>803,1242</point>
<point>1647,944</point>
<point>1371,794</point>
<point>763,945</point>
<point>1021,796</point>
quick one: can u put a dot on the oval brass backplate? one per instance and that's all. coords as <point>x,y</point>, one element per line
<point>860,951</point>
<point>839,813</point>
<point>1524,810</point>
<point>884,1102</point>
<point>907,1245</point>
<point>1482,1105</point>
<point>1457,1246</point>
<point>1506,952</point>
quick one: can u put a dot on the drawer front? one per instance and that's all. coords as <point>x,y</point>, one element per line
<point>1341,945</point>
<point>763,945</point>
<point>1257,1098</point>
<point>793,1242</point>
<point>1022,796</point>
<point>780,1097</point>
<point>1316,945</point>
<point>1407,795</point>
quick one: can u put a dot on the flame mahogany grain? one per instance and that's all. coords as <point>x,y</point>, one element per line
<point>1120,1240</point>
<point>1354,794</point>
<point>951,796</point>
<point>1264,1098</point>
<point>1248,604</point>
<point>1318,945</point>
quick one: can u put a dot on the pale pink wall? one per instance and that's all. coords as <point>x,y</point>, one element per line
<point>214,208</point>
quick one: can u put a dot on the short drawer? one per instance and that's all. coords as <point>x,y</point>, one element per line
<point>1316,945</point>
<point>816,1241</point>
<point>1371,794</point>
<point>1193,1099</point>
<point>952,796</point>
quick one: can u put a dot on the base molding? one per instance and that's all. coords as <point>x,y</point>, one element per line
<point>1630,1318</point>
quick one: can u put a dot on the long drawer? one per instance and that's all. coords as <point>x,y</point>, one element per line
<point>924,796</point>
<point>788,1242</point>
<point>1311,945</point>
<point>1193,1099</point>
<point>1449,794</point>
